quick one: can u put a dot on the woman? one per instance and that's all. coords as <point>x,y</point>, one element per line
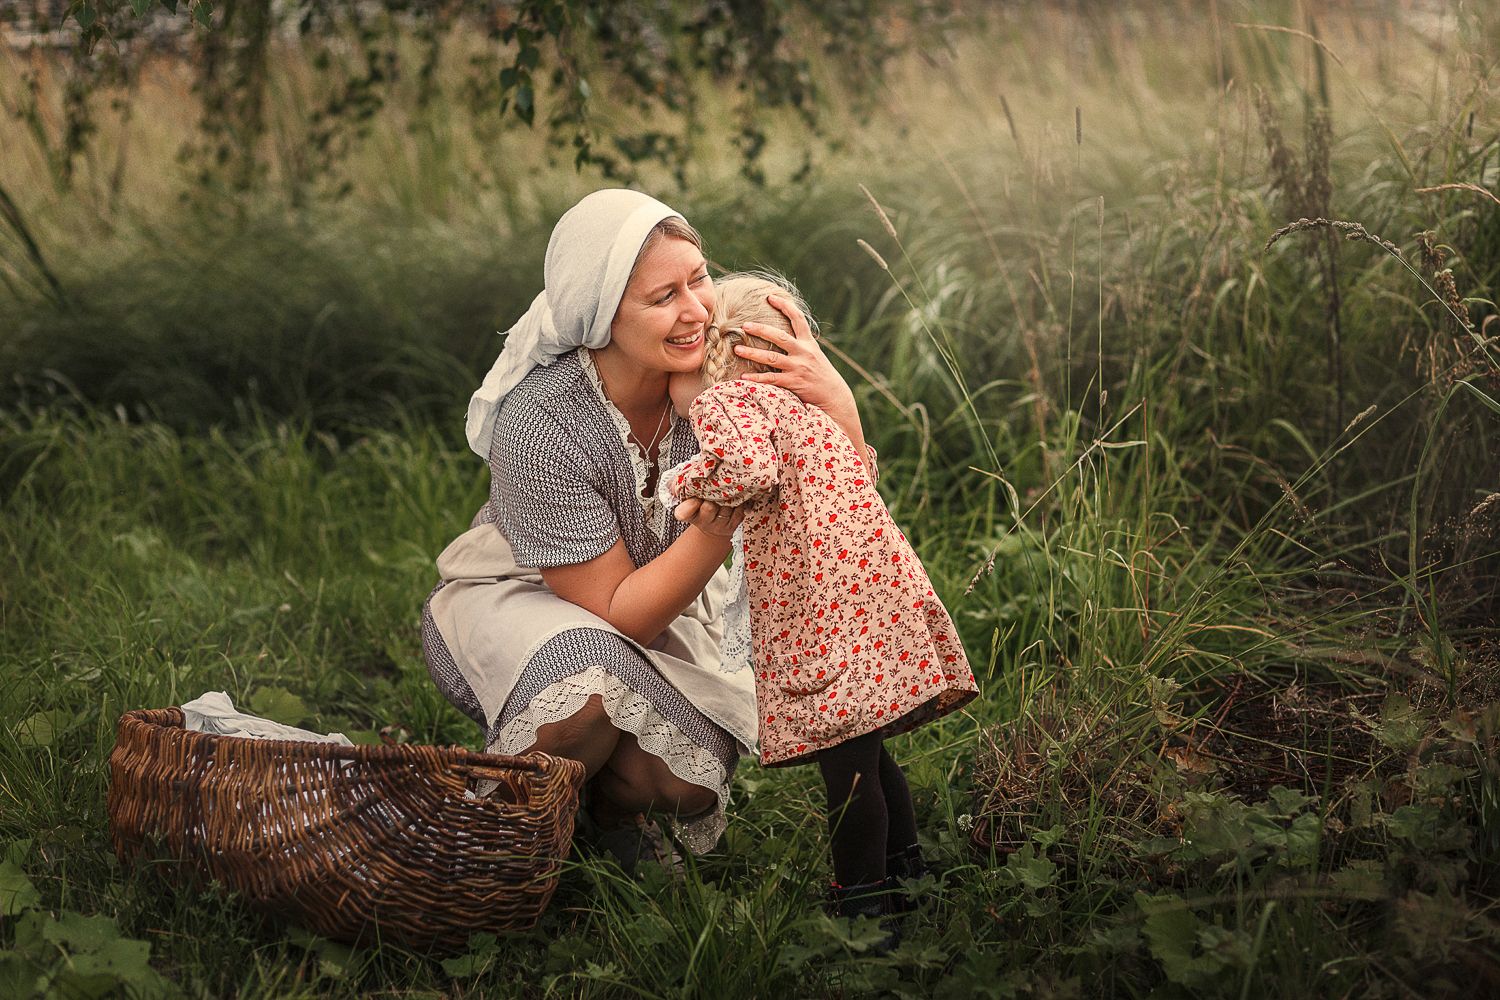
<point>577,615</point>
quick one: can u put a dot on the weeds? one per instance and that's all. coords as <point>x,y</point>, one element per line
<point>1239,725</point>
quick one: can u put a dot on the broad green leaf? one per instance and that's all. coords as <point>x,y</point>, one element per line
<point>1302,839</point>
<point>16,891</point>
<point>279,705</point>
<point>43,728</point>
<point>17,850</point>
<point>1171,931</point>
<point>1400,726</point>
<point>125,959</point>
<point>1049,837</point>
<point>1288,800</point>
<point>81,933</point>
<point>20,976</point>
<point>1026,868</point>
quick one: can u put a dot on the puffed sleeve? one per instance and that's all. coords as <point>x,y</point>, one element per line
<point>552,507</point>
<point>738,461</point>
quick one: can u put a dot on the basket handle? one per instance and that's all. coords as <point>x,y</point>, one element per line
<point>537,766</point>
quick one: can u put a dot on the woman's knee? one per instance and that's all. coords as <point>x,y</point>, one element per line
<point>587,735</point>
<point>646,781</point>
<point>693,799</point>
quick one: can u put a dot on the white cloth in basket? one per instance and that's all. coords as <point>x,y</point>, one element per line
<point>213,712</point>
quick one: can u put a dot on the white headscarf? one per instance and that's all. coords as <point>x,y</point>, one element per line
<point>589,257</point>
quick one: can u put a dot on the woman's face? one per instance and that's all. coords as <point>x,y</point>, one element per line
<point>665,309</point>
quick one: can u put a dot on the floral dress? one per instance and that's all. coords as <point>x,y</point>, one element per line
<point>847,635</point>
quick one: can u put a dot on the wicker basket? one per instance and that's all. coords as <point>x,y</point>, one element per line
<point>352,843</point>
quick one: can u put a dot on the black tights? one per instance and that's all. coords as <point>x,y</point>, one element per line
<point>870,812</point>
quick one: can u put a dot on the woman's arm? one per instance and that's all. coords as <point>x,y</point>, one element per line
<point>738,462</point>
<point>558,519</point>
<point>642,602</point>
<point>806,370</point>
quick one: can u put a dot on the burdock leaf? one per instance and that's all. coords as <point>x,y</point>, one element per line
<point>43,728</point>
<point>16,891</point>
<point>279,705</point>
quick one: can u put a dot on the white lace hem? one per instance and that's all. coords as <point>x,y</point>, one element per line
<point>631,712</point>
<point>652,509</point>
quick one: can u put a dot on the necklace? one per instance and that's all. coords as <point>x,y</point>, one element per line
<point>648,451</point>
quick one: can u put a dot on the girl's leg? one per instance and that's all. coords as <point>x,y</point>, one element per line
<point>856,809</point>
<point>901,824</point>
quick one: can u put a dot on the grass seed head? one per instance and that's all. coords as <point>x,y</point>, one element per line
<point>1286,170</point>
<point>874,254</point>
<point>1351,230</point>
<point>885,220</point>
<point>1433,255</point>
<point>1447,289</point>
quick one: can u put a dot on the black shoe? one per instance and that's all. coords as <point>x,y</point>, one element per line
<point>870,899</point>
<point>905,865</point>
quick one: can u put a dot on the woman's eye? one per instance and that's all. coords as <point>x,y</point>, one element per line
<point>700,277</point>
<point>665,299</point>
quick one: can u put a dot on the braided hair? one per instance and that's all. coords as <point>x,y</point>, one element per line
<point>740,298</point>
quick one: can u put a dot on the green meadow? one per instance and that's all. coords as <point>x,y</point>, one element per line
<point>1219,521</point>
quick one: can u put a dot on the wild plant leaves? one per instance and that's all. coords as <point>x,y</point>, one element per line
<point>16,891</point>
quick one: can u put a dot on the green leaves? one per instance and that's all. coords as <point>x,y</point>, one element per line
<point>1219,828</point>
<point>43,728</point>
<point>70,955</point>
<point>16,891</point>
<point>1191,952</point>
<point>279,705</point>
<point>1400,726</point>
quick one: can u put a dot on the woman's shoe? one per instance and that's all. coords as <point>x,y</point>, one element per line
<point>638,844</point>
<point>869,899</point>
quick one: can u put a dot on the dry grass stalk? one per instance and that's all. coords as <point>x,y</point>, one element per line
<point>1461,187</point>
<point>874,255</point>
<point>885,220</point>
<point>1010,121</point>
<point>1286,168</point>
<point>1444,359</point>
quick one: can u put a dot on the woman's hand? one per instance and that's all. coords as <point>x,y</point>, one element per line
<point>709,517</point>
<point>804,368</point>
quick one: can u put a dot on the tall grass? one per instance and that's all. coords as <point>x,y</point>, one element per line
<point>1103,412</point>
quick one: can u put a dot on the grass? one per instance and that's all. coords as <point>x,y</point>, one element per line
<point>1238,655</point>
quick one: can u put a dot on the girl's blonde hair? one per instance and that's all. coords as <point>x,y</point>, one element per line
<point>740,298</point>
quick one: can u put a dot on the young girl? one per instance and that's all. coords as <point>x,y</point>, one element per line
<point>849,643</point>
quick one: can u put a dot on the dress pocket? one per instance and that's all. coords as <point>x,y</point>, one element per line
<point>805,673</point>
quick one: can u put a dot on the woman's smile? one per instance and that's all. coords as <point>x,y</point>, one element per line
<point>687,342</point>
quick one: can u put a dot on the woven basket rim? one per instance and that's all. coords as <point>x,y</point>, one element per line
<point>459,758</point>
